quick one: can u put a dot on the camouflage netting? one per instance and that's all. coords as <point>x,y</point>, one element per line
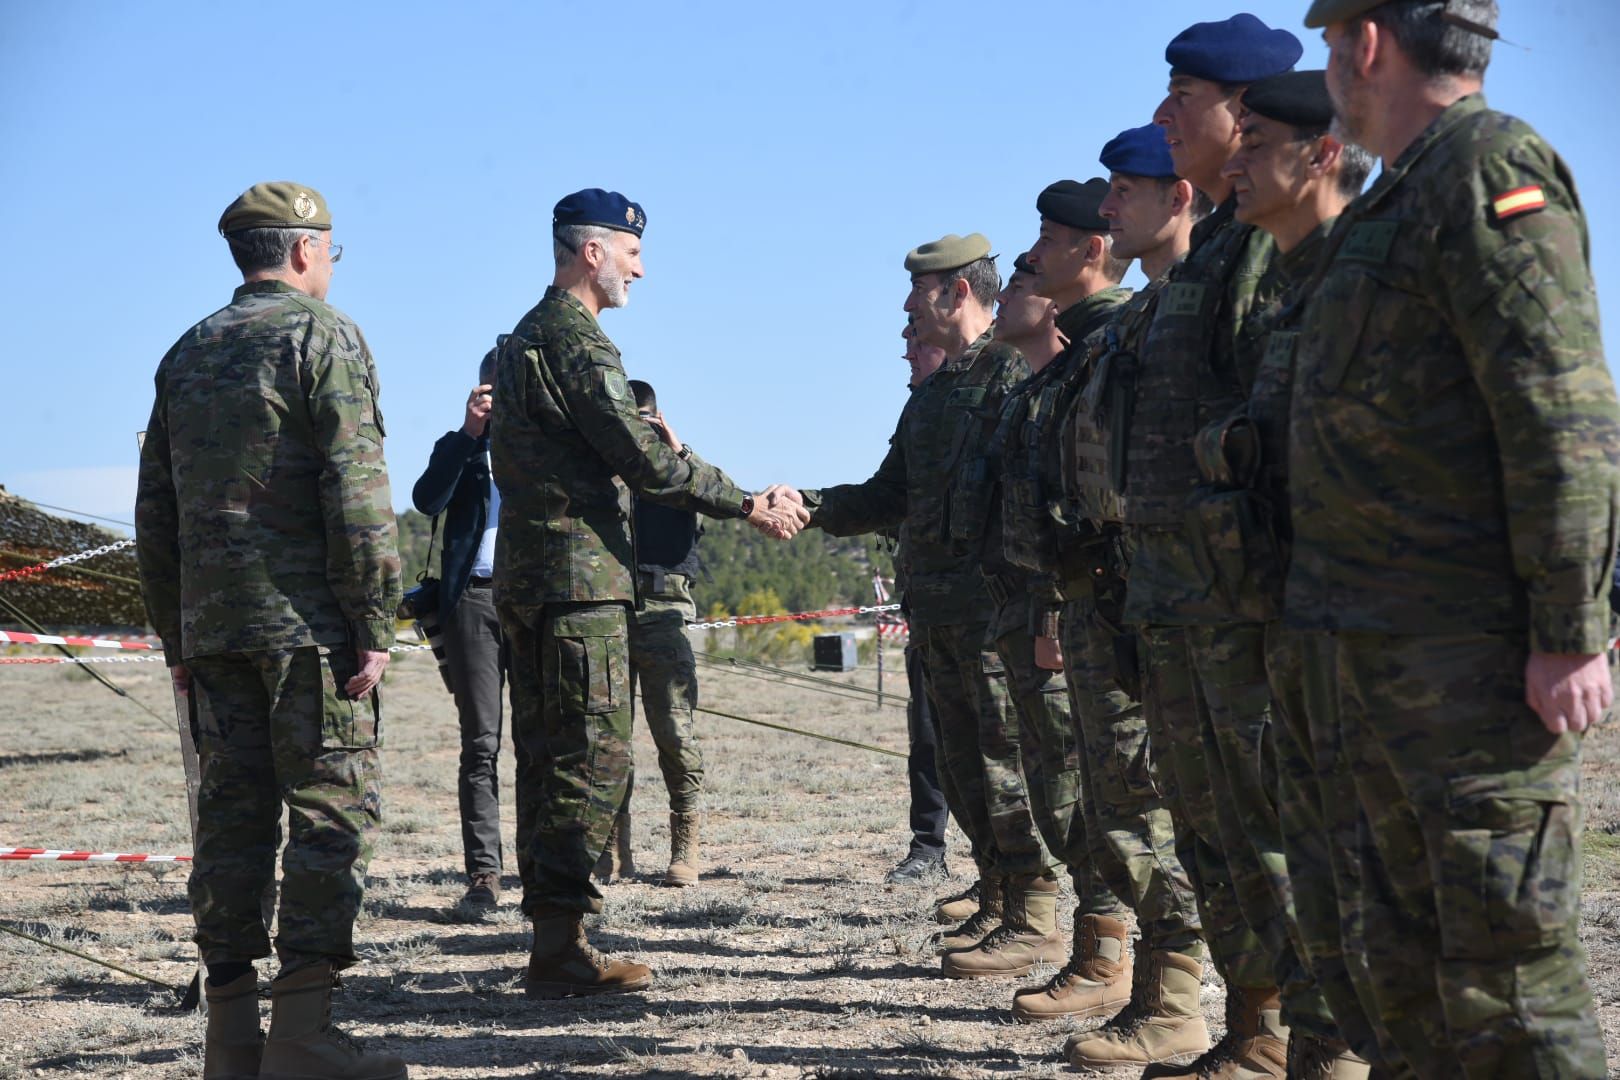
<point>63,598</point>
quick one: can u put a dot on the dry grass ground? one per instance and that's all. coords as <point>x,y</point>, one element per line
<point>790,959</point>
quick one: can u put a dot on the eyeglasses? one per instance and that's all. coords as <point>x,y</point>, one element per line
<point>334,251</point>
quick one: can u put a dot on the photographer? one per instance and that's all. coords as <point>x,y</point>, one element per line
<point>457,483</point>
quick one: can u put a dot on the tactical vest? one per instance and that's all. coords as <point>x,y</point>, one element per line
<point>974,406</point>
<point>1179,384</point>
<point>1030,530</point>
<point>1091,439</point>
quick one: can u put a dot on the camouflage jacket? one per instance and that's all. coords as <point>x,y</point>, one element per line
<point>1022,459</point>
<point>568,449</point>
<point>911,488</point>
<point>263,518</point>
<point>1189,371</point>
<point>1453,443</point>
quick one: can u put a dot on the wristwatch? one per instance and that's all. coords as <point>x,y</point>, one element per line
<point>684,452</point>
<point>747,505</point>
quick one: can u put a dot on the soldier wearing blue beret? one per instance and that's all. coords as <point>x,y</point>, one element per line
<point>568,451</point>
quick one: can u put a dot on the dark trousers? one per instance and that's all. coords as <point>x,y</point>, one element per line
<point>474,650</point>
<point>928,813</point>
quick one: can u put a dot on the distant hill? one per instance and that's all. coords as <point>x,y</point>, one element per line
<point>811,571</point>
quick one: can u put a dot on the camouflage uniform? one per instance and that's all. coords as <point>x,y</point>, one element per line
<point>1453,472</point>
<point>1048,736</point>
<point>950,608</point>
<point>568,449</point>
<point>268,556</point>
<point>665,675</point>
<point>1204,692</point>
<point>1243,513</point>
<point>1069,516</point>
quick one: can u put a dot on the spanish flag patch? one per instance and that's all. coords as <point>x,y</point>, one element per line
<point>1510,204</point>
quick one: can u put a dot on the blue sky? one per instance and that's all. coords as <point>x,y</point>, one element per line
<point>787,157</point>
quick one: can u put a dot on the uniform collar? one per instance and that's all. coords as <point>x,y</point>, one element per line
<point>268,285</point>
<point>568,299</point>
<point>1076,315</point>
<point>1442,125</point>
<point>1297,264</point>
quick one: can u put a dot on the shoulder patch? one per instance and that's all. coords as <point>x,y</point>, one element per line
<point>965,397</point>
<point>1525,200</point>
<point>614,383</point>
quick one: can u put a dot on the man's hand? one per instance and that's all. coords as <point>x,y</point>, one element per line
<point>478,405</point>
<point>1048,654</point>
<point>666,432</point>
<point>780,493</point>
<point>1570,692</point>
<point>781,521</point>
<point>182,678</point>
<point>372,664</point>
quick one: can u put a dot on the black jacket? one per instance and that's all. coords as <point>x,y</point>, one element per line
<point>456,483</point>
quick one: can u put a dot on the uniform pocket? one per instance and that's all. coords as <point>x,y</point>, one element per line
<point>592,663</point>
<point>1234,542</point>
<point>346,723</point>
<point>1509,878</point>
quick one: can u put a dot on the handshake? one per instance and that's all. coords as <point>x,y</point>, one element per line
<point>779,512</point>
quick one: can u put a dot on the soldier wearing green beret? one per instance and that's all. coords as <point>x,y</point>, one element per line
<point>1454,466</point>
<point>953,287</point>
<point>569,450</point>
<point>270,569</point>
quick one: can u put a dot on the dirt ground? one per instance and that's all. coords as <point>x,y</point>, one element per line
<point>790,959</point>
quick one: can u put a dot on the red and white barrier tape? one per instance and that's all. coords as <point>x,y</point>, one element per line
<point>34,854</point>
<point>16,637</point>
<point>796,616</point>
<point>64,560</point>
<point>81,659</point>
<point>106,643</point>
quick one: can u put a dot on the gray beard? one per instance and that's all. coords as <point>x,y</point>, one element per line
<point>612,284</point>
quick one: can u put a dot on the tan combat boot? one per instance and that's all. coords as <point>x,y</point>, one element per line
<point>959,907</point>
<point>233,1043</point>
<point>1255,1046</point>
<point>563,964</point>
<point>1312,1058</point>
<point>1027,936</point>
<point>303,1044</point>
<point>615,862</point>
<point>1097,980</point>
<point>683,850</point>
<point>1162,1021</point>
<point>976,927</point>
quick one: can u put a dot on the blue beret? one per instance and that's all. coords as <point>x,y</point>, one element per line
<point>593,206</point>
<point>1238,50</point>
<point>1139,151</point>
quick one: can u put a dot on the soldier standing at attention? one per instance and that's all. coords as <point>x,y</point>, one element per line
<point>1203,692</point>
<point>569,450</point>
<point>1151,215</point>
<point>953,286</point>
<point>1453,472</point>
<point>1047,740</point>
<point>270,568</point>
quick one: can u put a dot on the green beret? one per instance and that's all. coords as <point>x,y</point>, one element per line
<point>949,252</point>
<point>1323,12</point>
<point>280,204</point>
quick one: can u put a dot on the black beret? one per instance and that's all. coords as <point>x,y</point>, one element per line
<point>1021,265</point>
<point>1236,50</point>
<point>1299,98</point>
<point>1070,203</point>
<point>594,206</point>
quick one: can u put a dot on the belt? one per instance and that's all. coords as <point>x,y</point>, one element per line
<point>476,582</point>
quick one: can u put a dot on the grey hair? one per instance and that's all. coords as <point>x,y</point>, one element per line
<point>567,241</point>
<point>1438,48</point>
<point>256,250</point>
<point>1355,165</point>
<point>983,280</point>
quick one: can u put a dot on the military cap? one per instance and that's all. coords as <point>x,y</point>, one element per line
<point>594,206</point>
<point>1070,203</point>
<point>1323,12</point>
<point>1139,151</point>
<point>1299,98</point>
<point>949,252</point>
<point>1236,50</point>
<point>1021,265</point>
<point>280,204</point>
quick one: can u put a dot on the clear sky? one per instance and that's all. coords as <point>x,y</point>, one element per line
<point>787,157</point>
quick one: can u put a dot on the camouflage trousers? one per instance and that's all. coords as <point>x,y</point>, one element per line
<point>1131,836</point>
<point>980,766</point>
<point>1187,761</point>
<point>1463,883</point>
<point>664,672</point>
<point>1316,817</point>
<point>275,728</point>
<point>1235,713</point>
<point>570,679</point>
<point>1049,750</point>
